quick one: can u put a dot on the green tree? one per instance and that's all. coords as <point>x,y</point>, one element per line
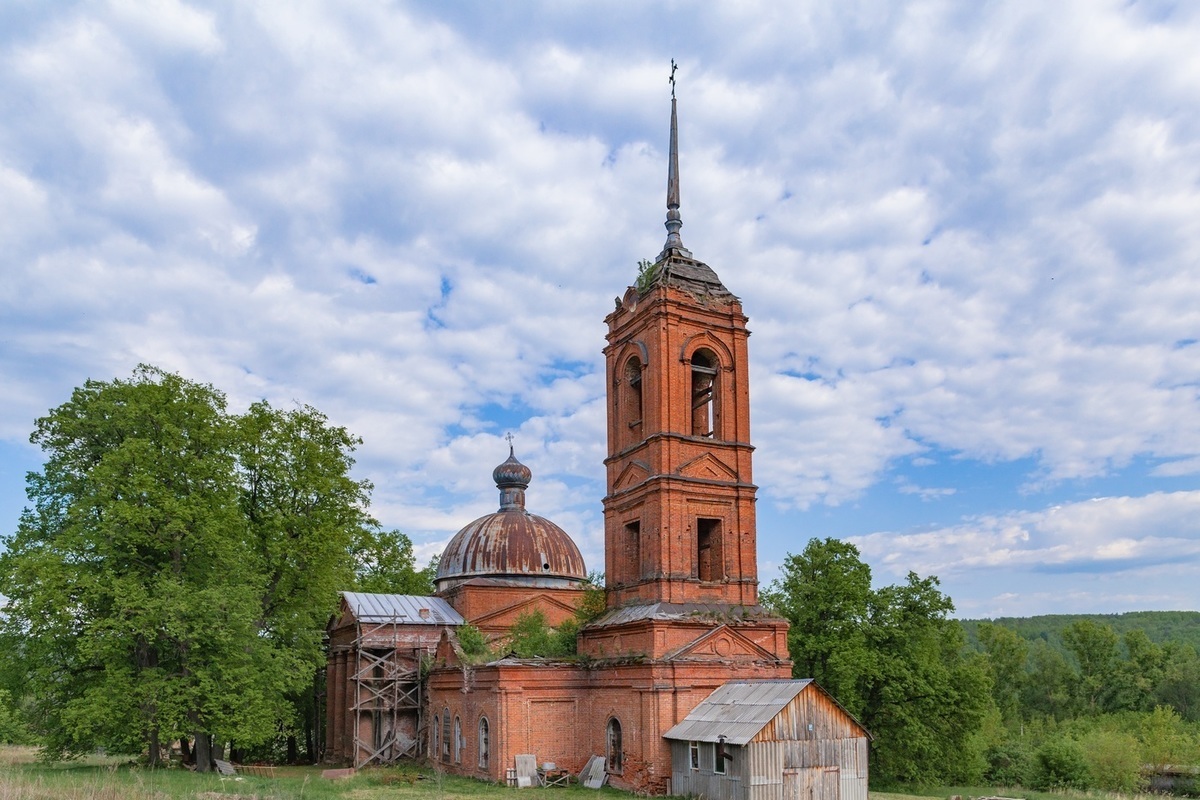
<point>303,514</point>
<point>891,656</point>
<point>384,563</point>
<point>1048,687</point>
<point>1136,677</point>
<point>928,696</point>
<point>1006,656</point>
<point>177,565</point>
<point>1095,649</point>
<point>825,593</point>
<point>1179,685</point>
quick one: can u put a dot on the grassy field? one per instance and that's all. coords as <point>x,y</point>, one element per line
<point>22,778</point>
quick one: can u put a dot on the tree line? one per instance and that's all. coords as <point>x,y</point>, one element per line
<point>173,575</point>
<point>1084,708</point>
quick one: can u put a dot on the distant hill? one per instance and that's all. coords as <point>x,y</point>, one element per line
<point>1160,626</point>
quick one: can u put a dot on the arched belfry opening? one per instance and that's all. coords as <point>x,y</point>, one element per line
<point>632,401</point>
<point>705,395</point>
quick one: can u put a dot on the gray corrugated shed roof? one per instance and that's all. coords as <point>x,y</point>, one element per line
<point>737,710</point>
<point>401,608</point>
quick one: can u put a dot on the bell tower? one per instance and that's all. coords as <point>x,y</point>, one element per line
<point>679,513</point>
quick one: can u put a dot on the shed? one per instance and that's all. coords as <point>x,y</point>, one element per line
<point>769,740</point>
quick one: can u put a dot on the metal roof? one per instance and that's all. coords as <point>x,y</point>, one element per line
<point>737,710</point>
<point>679,611</point>
<point>402,609</point>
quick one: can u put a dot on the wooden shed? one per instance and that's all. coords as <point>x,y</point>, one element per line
<point>769,740</point>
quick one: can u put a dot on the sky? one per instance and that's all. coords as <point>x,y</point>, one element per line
<point>967,236</point>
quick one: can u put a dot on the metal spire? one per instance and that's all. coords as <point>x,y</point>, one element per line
<point>674,222</point>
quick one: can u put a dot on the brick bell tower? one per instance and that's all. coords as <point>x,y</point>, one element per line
<point>679,522</point>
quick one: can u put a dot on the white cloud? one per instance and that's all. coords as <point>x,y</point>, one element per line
<point>1104,535</point>
<point>962,232</point>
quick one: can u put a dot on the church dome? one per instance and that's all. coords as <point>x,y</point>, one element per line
<point>511,546</point>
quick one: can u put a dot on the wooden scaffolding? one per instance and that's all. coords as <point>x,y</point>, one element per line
<point>385,684</point>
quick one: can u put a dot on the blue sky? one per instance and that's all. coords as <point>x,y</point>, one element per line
<point>967,236</point>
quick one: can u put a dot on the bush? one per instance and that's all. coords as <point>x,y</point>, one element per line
<point>1009,764</point>
<point>1113,760</point>
<point>1059,764</point>
<point>474,643</point>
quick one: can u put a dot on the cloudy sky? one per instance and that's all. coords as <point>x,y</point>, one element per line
<point>967,236</point>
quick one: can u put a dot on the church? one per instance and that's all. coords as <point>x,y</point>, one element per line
<point>682,617</point>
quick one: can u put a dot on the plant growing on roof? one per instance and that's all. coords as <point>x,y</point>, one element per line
<point>647,272</point>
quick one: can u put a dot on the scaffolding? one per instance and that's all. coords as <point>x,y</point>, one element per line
<point>387,693</point>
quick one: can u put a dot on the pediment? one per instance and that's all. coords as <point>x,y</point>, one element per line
<point>635,472</point>
<point>708,467</point>
<point>723,644</point>
<point>507,615</point>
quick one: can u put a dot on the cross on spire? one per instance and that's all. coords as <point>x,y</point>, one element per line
<point>674,221</point>
<point>509,437</point>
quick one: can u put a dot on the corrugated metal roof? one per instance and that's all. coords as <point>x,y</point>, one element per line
<point>401,608</point>
<point>737,710</point>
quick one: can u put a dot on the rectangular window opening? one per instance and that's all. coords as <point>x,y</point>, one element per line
<point>632,551</point>
<point>710,563</point>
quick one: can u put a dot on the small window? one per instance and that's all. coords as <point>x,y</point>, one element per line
<point>437,739</point>
<point>704,395</point>
<point>719,756</point>
<point>694,755</point>
<point>483,743</point>
<point>446,735</point>
<point>458,741</point>
<point>616,758</point>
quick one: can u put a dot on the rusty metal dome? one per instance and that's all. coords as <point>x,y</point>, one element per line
<point>511,546</point>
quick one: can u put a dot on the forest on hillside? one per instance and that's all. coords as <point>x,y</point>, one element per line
<point>1160,627</point>
<point>1055,702</point>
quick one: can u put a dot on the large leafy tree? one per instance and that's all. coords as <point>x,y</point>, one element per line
<point>891,656</point>
<point>177,565</point>
<point>825,593</point>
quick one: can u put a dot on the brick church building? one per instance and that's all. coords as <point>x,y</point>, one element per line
<point>681,578</point>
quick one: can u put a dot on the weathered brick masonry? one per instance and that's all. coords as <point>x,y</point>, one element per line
<point>681,573</point>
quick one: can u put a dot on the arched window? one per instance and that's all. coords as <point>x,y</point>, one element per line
<point>483,743</point>
<point>437,739</point>
<point>458,741</point>
<point>632,408</point>
<point>615,761</point>
<point>705,395</point>
<point>446,734</point>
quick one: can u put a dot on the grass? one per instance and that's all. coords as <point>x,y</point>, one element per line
<point>944,792</point>
<point>23,778</point>
<point>98,778</point>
